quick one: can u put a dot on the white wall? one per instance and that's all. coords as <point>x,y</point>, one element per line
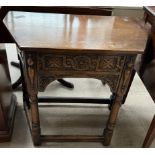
<point>128,11</point>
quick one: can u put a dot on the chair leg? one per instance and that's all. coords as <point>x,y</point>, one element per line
<point>66,83</point>
<point>150,134</point>
<point>18,82</point>
<point>15,64</point>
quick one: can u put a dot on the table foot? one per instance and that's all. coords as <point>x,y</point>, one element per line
<point>150,136</point>
<point>107,136</point>
<point>36,135</point>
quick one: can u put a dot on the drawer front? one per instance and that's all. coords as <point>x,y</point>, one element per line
<point>54,63</point>
<point>52,66</point>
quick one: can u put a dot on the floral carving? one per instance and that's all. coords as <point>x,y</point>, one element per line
<point>129,66</point>
<point>43,82</point>
<point>111,80</point>
<point>98,63</point>
<point>54,66</point>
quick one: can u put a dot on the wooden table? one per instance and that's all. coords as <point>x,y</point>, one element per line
<point>150,15</point>
<point>149,66</point>
<point>149,55</point>
<point>53,46</point>
<point>86,10</point>
<point>7,99</point>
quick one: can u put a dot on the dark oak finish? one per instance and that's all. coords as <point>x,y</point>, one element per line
<point>76,32</point>
<point>60,9</point>
<point>148,68</point>
<point>150,51</point>
<point>150,134</point>
<point>53,46</point>
<point>7,99</point>
<point>5,37</point>
<point>150,10</point>
<point>78,10</point>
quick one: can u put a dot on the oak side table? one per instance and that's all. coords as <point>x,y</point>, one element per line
<point>53,46</point>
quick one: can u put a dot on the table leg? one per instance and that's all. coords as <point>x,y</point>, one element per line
<point>121,92</point>
<point>150,134</point>
<point>32,85</point>
<point>36,131</point>
<point>31,101</point>
<point>108,131</point>
<point>130,82</point>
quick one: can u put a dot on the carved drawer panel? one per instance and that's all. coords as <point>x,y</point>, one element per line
<point>51,63</point>
<point>107,68</point>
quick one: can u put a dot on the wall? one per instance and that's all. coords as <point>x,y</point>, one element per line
<point>128,11</point>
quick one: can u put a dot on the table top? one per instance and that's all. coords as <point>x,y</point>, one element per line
<point>36,31</point>
<point>150,9</point>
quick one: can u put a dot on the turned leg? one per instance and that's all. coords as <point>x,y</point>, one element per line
<point>36,131</point>
<point>121,93</point>
<point>108,131</point>
<point>32,87</point>
<point>31,101</point>
<point>150,134</point>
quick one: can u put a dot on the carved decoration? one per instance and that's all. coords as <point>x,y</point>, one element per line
<point>30,64</point>
<point>43,82</point>
<point>31,67</point>
<point>129,66</point>
<point>111,80</point>
<point>54,66</point>
<point>97,63</point>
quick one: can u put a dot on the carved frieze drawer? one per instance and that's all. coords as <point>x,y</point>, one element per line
<point>51,63</point>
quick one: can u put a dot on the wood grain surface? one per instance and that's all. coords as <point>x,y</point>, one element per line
<point>76,32</point>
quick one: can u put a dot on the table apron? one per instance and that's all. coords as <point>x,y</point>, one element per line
<point>51,66</point>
